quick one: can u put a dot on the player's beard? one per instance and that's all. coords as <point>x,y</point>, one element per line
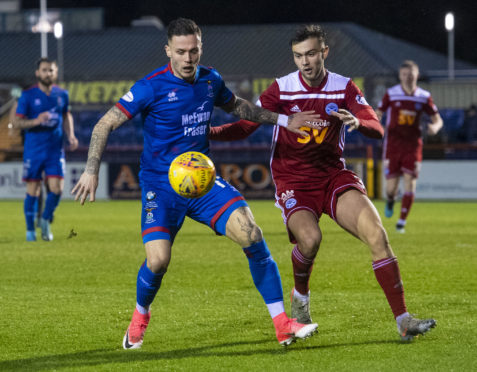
<point>47,82</point>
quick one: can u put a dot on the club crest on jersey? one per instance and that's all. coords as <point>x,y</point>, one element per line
<point>361,100</point>
<point>128,97</point>
<point>37,102</point>
<point>210,89</point>
<point>295,109</point>
<point>330,107</point>
<point>172,96</point>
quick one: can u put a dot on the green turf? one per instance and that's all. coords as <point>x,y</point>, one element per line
<point>66,304</point>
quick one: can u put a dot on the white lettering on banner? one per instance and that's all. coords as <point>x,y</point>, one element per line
<point>446,179</point>
<point>12,186</point>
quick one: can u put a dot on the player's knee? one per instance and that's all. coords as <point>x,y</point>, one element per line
<point>377,238</point>
<point>157,265</point>
<point>309,243</point>
<point>249,235</point>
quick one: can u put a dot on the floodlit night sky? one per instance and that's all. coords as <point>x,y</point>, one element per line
<point>417,21</point>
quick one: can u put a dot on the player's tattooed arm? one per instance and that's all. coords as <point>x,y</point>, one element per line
<point>294,123</point>
<point>248,111</point>
<point>112,120</point>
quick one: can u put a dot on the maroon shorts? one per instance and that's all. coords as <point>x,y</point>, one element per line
<point>317,198</point>
<point>404,162</point>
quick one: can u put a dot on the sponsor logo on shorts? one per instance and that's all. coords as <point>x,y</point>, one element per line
<point>287,195</point>
<point>151,195</point>
<point>290,203</point>
<point>418,106</point>
<point>149,218</point>
<point>151,204</point>
<point>330,107</point>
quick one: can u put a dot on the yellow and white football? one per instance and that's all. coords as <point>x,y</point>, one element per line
<point>192,174</point>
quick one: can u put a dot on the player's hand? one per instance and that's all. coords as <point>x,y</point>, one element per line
<point>347,118</point>
<point>303,119</point>
<point>87,185</point>
<point>73,143</point>
<point>432,129</point>
<point>43,118</point>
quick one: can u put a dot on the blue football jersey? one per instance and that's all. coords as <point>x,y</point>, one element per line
<point>176,115</point>
<point>47,137</point>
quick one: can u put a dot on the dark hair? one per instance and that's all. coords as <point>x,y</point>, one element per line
<point>304,32</point>
<point>182,26</point>
<point>43,59</point>
<point>409,64</point>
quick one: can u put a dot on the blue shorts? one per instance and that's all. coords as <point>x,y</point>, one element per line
<point>34,164</point>
<point>163,210</point>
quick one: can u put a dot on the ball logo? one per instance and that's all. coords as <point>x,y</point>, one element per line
<point>361,100</point>
<point>290,203</point>
<point>128,97</point>
<point>330,107</point>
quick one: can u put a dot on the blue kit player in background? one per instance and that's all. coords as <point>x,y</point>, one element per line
<point>42,113</point>
<point>176,102</point>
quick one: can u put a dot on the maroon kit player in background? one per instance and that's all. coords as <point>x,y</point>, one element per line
<point>310,174</point>
<point>404,104</point>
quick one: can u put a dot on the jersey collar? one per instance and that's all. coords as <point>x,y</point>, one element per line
<point>313,89</point>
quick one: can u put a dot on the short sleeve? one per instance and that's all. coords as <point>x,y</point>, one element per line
<point>224,95</point>
<point>384,103</point>
<point>270,98</point>
<point>354,98</point>
<point>22,107</point>
<point>430,108</point>
<point>66,106</point>
<point>139,97</point>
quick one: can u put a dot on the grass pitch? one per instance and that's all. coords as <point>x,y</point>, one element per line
<point>66,304</point>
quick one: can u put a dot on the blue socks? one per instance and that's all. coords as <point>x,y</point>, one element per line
<point>148,284</point>
<point>264,272</point>
<point>51,203</point>
<point>30,207</point>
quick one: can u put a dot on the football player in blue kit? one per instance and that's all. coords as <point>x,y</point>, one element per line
<point>42,113</point>
<point>176,102</point>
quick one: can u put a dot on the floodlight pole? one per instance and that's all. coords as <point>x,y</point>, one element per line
<point>58,32</point>
<point>44,35</point>
<point>449,24</point>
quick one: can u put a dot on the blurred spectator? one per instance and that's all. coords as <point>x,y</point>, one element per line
<point>468,132</point>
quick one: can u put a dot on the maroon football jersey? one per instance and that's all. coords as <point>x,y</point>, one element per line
<point>297,161</point>
<point>403,116</point>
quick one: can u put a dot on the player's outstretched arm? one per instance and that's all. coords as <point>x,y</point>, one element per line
<point>233,131</point>
<point>88,182</point>
<point>248,111</point>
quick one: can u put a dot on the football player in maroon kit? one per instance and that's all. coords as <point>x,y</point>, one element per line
<point>404,104</point>
<point>311,178</point>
